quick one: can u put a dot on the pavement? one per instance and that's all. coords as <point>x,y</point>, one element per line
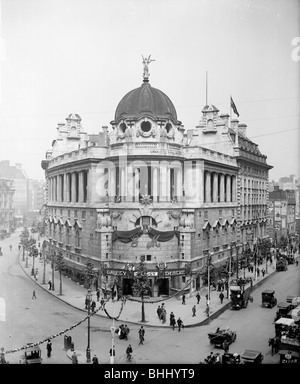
<point>130,311</point>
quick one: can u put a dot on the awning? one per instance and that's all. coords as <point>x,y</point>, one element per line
<point>285,321</point>
<point>50,219</point>
<point>54,220</point>
<point>206,224</point>
<point>225,222</point>
<point>60,222</point>
<point>233,222</point>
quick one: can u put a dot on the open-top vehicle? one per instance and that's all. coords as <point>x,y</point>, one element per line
<point>217,338</point>
<point>283,309</point>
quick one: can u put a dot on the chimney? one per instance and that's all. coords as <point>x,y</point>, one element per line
<point>105,131</point>
<point>242,129</point>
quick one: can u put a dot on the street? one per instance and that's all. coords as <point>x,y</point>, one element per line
<point>30,320</point>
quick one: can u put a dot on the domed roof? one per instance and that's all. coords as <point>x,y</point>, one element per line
<point>145,100</point>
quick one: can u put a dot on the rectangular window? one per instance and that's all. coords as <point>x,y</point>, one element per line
<point>148,257</point>
<point>91,213</point>
<point>75,214</point>
<point>83,215</point>
<point>206,215</point>
<point>182,255</point>
<point>220,213</point>
<point>106,255</point>
<point>69,213</point>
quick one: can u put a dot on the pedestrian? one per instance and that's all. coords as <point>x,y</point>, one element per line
<point>172,320</point>
<point>33,295</point>
<point>179,323</point>
<point>87,301</point>
<point>276,343</point>
<point>74,358</point>
<point>102,302</point>
<point>198,297</point>
<point>183,299</point>
<point>98,294</point>
<point>206,296</point>
<point>49,285</point>
<point>93,306</point>
<point>49,348</point>
<point>257,271</point>
<point>95,360</point>
<point>158,311</point>
<point>271,343</point>
<point>141,333</point>
<point>194,310</point>
<point>221,296</point>
<point>225,346</point>
<point>112,351</point>
<point>251,282</point>
<point>263,272</point>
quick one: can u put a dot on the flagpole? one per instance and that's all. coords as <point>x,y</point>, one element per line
<point>206,89</point>
<point>230,110</point>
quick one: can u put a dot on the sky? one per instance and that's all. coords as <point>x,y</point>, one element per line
<point>82,56</point>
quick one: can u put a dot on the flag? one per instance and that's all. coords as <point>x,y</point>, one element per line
<point>114,292</point>
<point>234,107</point>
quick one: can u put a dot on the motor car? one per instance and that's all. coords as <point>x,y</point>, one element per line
<point>283,309</point>
<point>268,299</point>
<point>32,355</point>
<point>250,356</point>
<point>217,338</point>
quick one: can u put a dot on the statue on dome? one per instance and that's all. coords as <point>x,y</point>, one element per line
<point>146,62</point>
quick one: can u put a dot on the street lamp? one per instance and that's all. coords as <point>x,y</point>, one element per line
<point>52,266</point>
<point>88,351</point>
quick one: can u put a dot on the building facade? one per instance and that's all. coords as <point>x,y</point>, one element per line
<point>21,185</point>
<point>145,190</point>
<point>6,205</point>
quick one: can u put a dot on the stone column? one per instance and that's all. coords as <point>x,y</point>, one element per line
<point>50,188</point>
<point>233,179</point>
<point>112,183</point>
<point>163,181</point>
<point>228,188</point>
<point>154,183</point>
<point>136,179</point>
<point>80,186</point>
<point>67,187</point>
<point>129,184</point>
<point>207,187</point>
<point>123,183</point>
<point>222,188</point>
<point>178,190</point>
<point>168,186</point>
<point>73,190</point>
<point>215,187</point>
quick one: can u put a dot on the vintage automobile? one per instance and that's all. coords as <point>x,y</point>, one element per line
<point>281,264</point>
<point>217,338</point>
<point>250,356</point>
<point>283,309</point>
<point>268,299</point>
<point>31,355</point>
<point>231,358</point>
<point>239,296</point>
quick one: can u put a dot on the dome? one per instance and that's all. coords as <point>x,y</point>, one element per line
<point>145,100</point>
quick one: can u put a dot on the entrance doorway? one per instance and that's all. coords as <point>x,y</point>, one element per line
<point>163,287</point>
<point>127,286</point>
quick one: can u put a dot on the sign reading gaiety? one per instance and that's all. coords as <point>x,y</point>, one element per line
<point>170,272</point>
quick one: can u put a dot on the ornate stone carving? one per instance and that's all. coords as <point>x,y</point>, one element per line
<point>116,215</point>
<point>174,214</point>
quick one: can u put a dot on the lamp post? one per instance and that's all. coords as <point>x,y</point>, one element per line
<point>88,351</point>
<point>237,260</point>
<point>52,266</point>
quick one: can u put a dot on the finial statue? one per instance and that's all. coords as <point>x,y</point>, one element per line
<point>146,62</point>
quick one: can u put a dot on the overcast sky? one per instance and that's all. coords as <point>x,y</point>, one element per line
<point>82,56</point>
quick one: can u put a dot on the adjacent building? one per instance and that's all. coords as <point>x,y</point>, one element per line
<point>20,184</point>
<point>6,206</point>
<point>146,190</point>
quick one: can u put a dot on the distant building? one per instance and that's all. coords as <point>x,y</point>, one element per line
<point>6,205</point>
<point>37,195</point>
<point>282,204</point>
<point>20,185</point>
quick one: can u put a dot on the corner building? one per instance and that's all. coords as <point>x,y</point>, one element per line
<point>143,190</point>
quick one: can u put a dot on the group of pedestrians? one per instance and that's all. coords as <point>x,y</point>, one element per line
<point>162,313</point>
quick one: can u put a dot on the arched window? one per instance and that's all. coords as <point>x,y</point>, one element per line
<point>145,221</point>
<point>68,236</point>
<point>77,239</point>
